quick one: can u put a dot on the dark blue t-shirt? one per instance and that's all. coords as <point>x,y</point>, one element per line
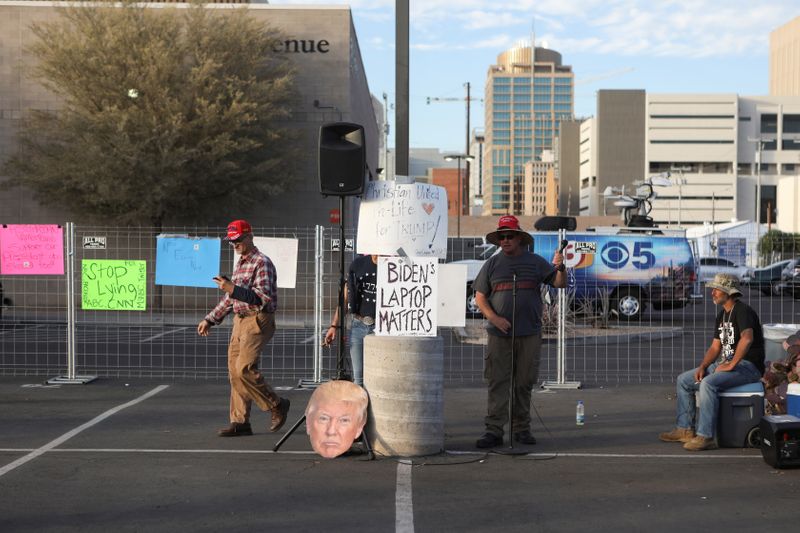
<point>495,280</point>
<point>362,280</point>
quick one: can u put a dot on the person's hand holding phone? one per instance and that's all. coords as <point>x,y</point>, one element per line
<point>224,283</point>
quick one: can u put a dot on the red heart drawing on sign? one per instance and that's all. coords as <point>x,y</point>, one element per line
<point>428,208</point>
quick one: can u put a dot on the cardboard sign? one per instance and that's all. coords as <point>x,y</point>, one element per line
<point>283,254</point>
<point>187,262</point>
<point>407,296</point>
<point>452,292</point>
<point>113,285</point>
<point>410,217</point>
<point>31,249</point>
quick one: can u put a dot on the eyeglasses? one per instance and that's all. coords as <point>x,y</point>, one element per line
<point>505,236</point>
<point>236,241</point>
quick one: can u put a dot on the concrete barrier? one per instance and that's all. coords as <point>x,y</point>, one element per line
<point>404,379</point>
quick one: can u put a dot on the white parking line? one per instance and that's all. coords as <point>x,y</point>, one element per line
<point>68,435</point>
<point>148,339</point>
<point>404,505</point>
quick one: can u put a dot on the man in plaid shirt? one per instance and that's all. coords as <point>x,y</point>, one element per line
<point>252,296</point>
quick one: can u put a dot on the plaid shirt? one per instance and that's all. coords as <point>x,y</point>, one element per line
<point>256,272</point>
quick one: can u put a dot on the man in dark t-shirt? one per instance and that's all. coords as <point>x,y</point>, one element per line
<point>514,268</point>
<point>735,357</point>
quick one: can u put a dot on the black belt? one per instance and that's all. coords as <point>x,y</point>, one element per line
<point>251,313</point>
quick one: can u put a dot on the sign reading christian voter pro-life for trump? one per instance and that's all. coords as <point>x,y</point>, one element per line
<point>407,299</point>
<point>411,217</point>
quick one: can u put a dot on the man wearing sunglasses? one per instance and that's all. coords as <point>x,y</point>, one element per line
<point>514,270</point>
<point>252,295</point>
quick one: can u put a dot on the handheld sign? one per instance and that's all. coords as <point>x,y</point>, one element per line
<point>407,296</point>
<point>410,216</point>
<point>31,249</point>
<point>187,262</point>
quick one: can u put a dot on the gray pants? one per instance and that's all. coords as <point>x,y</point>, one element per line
<point>497,371</point>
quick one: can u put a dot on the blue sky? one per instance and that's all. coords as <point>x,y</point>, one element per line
<point>657,45</point>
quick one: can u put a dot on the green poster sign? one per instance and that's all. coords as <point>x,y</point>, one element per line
<point>113,285</point>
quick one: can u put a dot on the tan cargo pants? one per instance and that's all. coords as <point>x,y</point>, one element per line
<point>250,334</point>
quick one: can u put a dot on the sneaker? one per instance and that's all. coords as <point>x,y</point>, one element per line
<point>279,413</point>
<point>236,430</point>
<point>489,440</point>
<point>700,443</point>
<point>524,437</point>
<point>677,435</point>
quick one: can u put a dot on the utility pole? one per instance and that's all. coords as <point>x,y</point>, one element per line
<point>465,192</point>
<point>401,87</point>
<point>385,136</point>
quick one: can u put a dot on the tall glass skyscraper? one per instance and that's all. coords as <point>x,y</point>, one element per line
<point>524,108</point>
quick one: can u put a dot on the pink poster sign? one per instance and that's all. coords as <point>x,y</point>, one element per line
<point>31,249</point>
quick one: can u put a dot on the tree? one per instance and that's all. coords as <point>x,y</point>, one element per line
<point>167,114</point>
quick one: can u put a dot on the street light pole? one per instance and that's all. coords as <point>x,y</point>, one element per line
<point>760,141</point>
<point>459,157</point>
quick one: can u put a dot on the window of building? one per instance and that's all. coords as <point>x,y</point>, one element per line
<point>769,194</point>
<point>790,144</point>
<point>789,168</point>
<point>791,123</point>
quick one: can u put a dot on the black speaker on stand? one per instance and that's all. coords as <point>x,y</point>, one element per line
<point>342,160</point>
<point>342,170</point>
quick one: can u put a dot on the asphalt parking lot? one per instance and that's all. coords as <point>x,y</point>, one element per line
<point>138,455</point>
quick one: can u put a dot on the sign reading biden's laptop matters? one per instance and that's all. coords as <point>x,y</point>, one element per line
<point>407,299</point>
<point>403,219</point>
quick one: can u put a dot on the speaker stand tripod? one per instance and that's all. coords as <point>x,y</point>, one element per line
<point>340,372</point>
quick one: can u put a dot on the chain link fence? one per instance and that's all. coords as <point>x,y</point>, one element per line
<point>161,341</point>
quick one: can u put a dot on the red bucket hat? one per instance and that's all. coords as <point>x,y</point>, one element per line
<point>237,229</point>
<point>506,224</point>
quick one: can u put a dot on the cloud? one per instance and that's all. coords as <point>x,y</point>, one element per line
<point>679,28</point>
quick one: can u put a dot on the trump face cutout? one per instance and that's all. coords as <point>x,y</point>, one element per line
<point>335,417</point>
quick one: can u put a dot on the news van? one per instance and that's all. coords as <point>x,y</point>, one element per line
<point>634,267</point>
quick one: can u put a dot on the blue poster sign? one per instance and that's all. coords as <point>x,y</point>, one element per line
<point>733,249</point>
<point>187,261</point>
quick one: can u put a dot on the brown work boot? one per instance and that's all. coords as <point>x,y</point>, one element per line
<point>677,435</point>
<point>279,413</point>
<point>700,443</point>
<point>236,430</point>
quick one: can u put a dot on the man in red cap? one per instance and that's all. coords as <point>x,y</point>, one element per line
<point>252,296</point>
<point>494,293</point>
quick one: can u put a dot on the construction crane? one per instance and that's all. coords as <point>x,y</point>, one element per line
<point>466,99</point>
<point>604,75</point>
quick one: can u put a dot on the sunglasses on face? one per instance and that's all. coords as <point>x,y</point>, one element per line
<point>235,242</point>
<point>505,236</point>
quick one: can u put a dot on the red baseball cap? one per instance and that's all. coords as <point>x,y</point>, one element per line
<point>237,229</point>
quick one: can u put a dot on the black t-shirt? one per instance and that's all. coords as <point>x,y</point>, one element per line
<point>362,280</point>
<point>495,281</point>
<point>729,327</point>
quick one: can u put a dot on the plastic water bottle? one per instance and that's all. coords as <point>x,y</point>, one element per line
<point>579,413</point>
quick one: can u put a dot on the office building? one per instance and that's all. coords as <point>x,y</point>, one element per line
<point>612,149</point>
<point>784,59</point>
<point>524,109</point>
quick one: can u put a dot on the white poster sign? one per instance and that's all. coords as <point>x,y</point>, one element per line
<point>407,296</point>
<point>411,217</point>
<point>283,254</point>
<point>452,296</point>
